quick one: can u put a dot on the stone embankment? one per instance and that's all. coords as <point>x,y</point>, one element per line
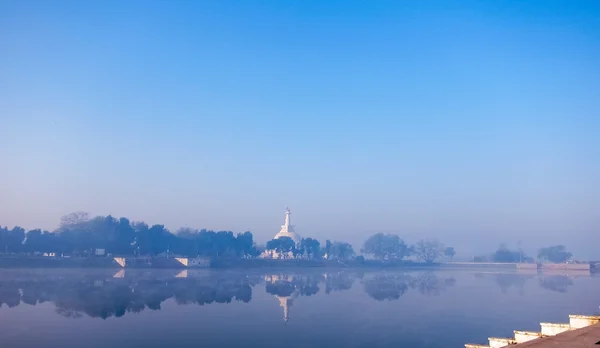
<point>581,331</point>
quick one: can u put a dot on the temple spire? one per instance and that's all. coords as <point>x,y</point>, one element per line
<point>287,217</point>
<point>287,229</point>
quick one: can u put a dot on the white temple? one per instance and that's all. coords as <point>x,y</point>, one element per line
<point>287,230</point>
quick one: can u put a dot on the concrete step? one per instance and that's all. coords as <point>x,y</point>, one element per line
<point>551,329</point>
<point>580,321</point>
<point>472,345</point>
<point>526,336</point>
<point>498,342</point>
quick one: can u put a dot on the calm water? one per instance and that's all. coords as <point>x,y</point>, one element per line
<point>69,308</point>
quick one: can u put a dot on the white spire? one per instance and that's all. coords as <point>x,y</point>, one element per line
<point>287,229</point>
<point>287,217</point>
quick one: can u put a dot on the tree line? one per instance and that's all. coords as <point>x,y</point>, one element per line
<point>79,234</point>
<point>554,254</point>
<point>381,247</point>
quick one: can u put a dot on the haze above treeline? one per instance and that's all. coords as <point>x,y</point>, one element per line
<point>81,235</point>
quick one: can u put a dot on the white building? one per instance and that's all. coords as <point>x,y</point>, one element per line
<point>287,230</point>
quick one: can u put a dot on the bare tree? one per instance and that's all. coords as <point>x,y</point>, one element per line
<point>428,250</point>
<point>74,218</point>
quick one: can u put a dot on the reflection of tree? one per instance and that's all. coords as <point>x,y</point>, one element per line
<point>307,285</point>
<point>392,287</point>
<point>558,283</point>
<point>506,280</point>
<point>384,287</point>
<point>429,284</point>
<point>280,288</point>
<point>340,281</point>
<point>9,295</point>
<point>103,298</point>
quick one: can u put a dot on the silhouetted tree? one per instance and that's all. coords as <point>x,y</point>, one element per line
<point>449,252</point>
<point>41,241</point>
<point>244,243</point>
<point>556,254</point>
<point>503,254</point>
<point>428,250</point>
<point>282,245</point>
<point>12,240</point>
<point>80,235</point>
<point>311,247</point>
<point>385,247</point>
<point>341,251</point>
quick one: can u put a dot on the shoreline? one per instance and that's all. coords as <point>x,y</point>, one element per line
<point>9,262</point>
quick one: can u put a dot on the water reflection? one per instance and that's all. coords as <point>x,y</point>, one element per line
<point>549,281</point>
<point>392,287</point>
<point>558,283</point>
<point>102,295</point>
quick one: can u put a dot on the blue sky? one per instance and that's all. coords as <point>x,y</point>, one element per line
<point>475,122</point>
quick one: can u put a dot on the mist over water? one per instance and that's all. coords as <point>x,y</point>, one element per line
<point>131,308</point>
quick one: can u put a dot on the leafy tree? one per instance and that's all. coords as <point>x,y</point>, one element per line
<point>282,245</point>
<point>503,254</point>
<point>341,251</point>
<point>385,247</point>
<point>74,219</point>
<point>244,243</point>
<point>311,247</point>
<point>449,252</point>
<point>428,250</point>
<point>556,254</point>
<point>12,240</point>
<point>122,243</point>
<point>78,234</point>
<point>327,247</point>
<point>40,241</point>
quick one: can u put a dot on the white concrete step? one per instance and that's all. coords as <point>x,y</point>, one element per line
<point>552,329</point>
<point>526,336</point>
<point>498,342</point>
<point>472,345</point>
<point>580,321</point>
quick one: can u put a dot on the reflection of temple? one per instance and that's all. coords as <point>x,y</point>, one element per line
<point>287,230</point>
<point>286,302</point>
<point>284,291</point>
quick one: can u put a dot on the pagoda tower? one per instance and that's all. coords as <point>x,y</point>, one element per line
<point>287,229</point>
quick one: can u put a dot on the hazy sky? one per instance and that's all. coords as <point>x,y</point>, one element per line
<point>475,122</point>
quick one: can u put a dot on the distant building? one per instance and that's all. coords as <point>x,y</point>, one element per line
<point>287,230</point>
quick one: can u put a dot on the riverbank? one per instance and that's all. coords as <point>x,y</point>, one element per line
<point>19,261</point>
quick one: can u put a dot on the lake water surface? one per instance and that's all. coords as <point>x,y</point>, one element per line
<point>312,308</point>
